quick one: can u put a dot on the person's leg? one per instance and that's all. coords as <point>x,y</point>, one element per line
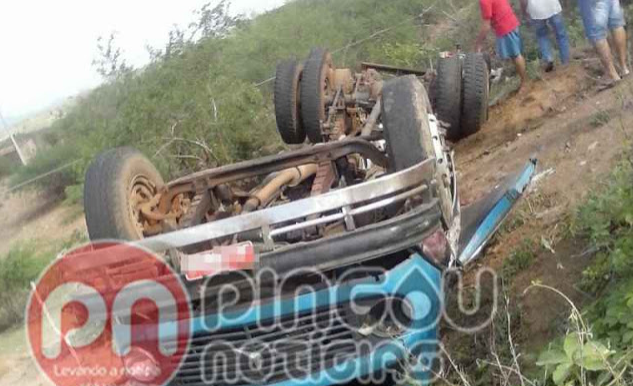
<point>618,34</point>
<point>519,63</point>
<point>596,19</point>
<point>604,53</point>
<point>513,49</point>
<point>619,40</point>
<point>509,47</point>
<point>561,37</point>
<point>543,40</point>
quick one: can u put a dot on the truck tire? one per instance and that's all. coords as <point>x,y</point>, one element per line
<point>475,91</point>
<point>287,111</point>
<point>448,95</point>
<point>407,131</point>
<point>316,82</point>
<point>406,123</point>
<point>116,182</point>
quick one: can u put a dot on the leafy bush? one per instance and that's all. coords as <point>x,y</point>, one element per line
<point>612,316</point>
<point>600,354</point>
<point>520,259</point>
<point>44,163</point>
<point>578,359</point>
<point>6,167</point>
<point>606,220</point>
<point>21,266</point>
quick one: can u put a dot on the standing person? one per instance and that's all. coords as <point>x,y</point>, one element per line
<point>545,13</point>
<point>498,15</point>
<point>601,17</point>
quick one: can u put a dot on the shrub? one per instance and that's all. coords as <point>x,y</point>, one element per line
<point>18,269</point>
<point>44,163</point>
<point>22,265</point>
<point>520,259</point>
<point>606,220</point>
<point>7,167</point>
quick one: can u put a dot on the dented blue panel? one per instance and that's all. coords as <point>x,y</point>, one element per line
<point>489,220</point>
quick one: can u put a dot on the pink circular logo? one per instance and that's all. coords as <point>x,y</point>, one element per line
<point>108,314</point>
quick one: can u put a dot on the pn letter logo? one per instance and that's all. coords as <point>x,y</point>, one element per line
<point>109,314</point>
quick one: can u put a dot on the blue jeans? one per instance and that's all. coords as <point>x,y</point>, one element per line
<point>542,32</point>
<point>600,16</point>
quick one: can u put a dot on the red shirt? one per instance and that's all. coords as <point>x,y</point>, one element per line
<point>500,14</point>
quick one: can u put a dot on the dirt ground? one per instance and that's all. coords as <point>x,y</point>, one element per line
<point>576,132</point>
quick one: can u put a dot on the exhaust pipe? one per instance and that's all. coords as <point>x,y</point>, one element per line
<point>289,177</point>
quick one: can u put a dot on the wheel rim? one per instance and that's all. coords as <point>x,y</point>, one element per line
<point>142,190</point>
<point>326,86</point>
<point>317,84</point>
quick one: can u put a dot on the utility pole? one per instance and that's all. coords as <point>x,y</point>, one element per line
<point>4,123</point>
<point>13,141</point>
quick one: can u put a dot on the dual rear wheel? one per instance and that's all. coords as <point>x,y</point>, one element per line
<point>301,94</point>
<point>462,89</point>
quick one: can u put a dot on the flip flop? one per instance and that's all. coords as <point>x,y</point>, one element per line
<point>607,84</point>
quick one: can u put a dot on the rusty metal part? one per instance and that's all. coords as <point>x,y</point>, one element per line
<point>170,193</point>
<point>276,221</point>
<point>201,203</point>
<point>372,120</point>
<point>315,154</point>
<point>142,192</point>
<point>398,71</point>
<point>374,81</point>
<point>289,177</point>
<point>267,165</point>
<point>334,124</point>
<point>344,79</point>
<point>325,178</point>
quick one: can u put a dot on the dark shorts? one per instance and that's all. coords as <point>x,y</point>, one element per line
<point>510,45</point>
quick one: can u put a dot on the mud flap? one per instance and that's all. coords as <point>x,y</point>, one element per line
<point>481,220</point>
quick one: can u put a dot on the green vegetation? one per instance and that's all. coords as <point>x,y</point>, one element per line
<point>520,259</point>
<point>22,265</point>
<point>6,167</point>
<point>597,350</point>
<point>594,343</point>
<point>600,118</point>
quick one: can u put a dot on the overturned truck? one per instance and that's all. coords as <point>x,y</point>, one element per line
<point>358,229</point>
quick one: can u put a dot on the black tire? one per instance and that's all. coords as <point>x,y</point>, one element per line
<point>287,111</point>
<point>475,91</point>
<point>407,132</point>
<point>110,180</point>
<point>448,95</point>
<point>314,83</point>
<point>406,124</point>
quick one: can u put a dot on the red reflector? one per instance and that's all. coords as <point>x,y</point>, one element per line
<point>436,248</point>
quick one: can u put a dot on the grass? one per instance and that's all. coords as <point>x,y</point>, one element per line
<point>520,259</point>
<point>601,118</point>
<point>23,264</point>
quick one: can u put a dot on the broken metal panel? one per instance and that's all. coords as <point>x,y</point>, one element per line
<point>481,220</point>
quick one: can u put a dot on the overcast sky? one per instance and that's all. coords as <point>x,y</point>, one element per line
<point>47,47</point>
